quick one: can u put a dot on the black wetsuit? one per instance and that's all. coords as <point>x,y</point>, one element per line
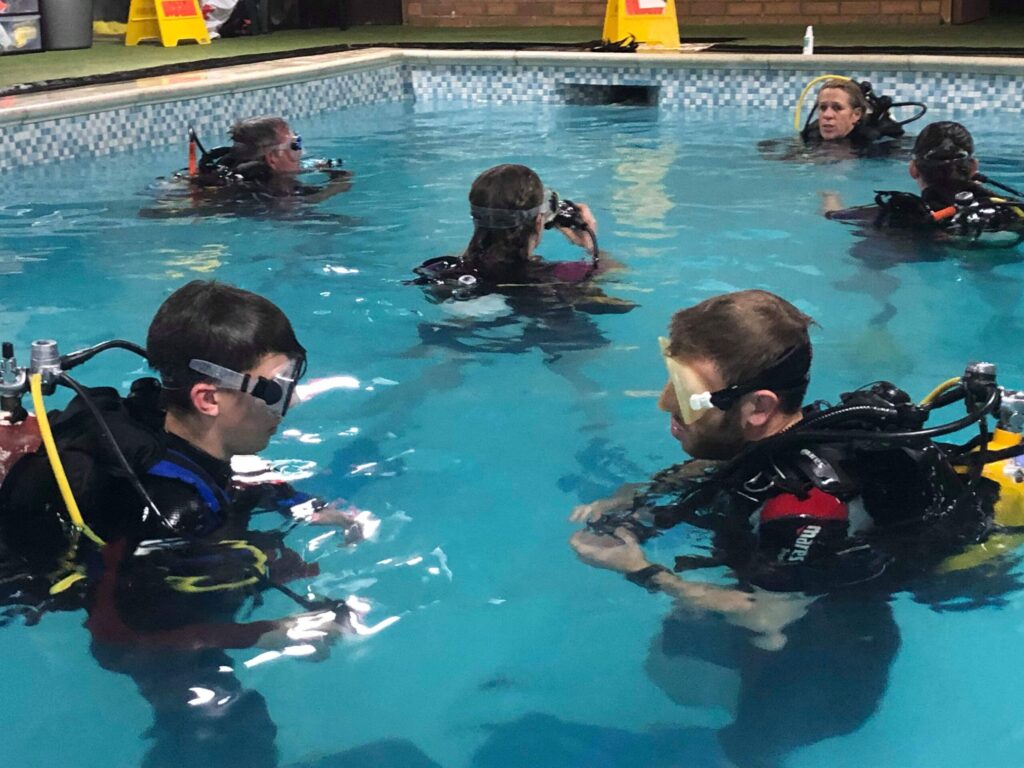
<point>847,523</point>
<point>151,612</point>
<point>936,213</point>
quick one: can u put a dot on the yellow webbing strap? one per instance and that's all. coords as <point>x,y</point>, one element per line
<point>195,583</point>
<point>66,582</point>
<point>36,384</point>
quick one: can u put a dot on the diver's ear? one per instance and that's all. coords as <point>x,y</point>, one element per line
<point>273,159</point>
<point>973,167</point>
<point>859,112</point>
<point>757,408</point>
<point>204,398</point>
<point>915,172</point>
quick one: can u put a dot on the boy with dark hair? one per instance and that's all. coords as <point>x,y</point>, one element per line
<point>229,362</point>
<point>178,559</point>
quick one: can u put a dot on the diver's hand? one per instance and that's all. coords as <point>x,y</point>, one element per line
<point>620,501</point>
<point>307,635</point>
<point>620,552</point>
<point>578,236</point>
<point>830,201</point>
<point>327,164</point>
<point>358,524</point>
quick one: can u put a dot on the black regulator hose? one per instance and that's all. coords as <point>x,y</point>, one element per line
<point>918,116</point>
<point>74,359</point>
<point>849,411</point>
<point>980,177</point>
<point>595,254</point>
<point>888,437</point>
<point>799,435</point>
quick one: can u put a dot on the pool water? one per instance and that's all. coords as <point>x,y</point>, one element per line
<point>507,651</point>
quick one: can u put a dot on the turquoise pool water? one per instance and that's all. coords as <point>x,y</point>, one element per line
<point>508,652</point>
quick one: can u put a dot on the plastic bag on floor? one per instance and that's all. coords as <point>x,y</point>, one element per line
<point>215,13</point>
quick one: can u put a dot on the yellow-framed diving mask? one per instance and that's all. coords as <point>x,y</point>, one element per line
<point>691,392</point>
<point>788,372</point>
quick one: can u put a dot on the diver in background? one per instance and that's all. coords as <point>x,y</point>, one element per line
<point>851,112</point>
<point>953,202</point>
<point>955,212</point>
<point>259,173</point>
<point>500,297</point>
<point>842,109</point>
<point>809,527</point>
<point>266,156</point>
<point>853,121</point>
<point>511,208</point>
<point>177,558</point>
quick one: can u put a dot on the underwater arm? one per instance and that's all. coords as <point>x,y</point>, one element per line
<point>622,553</point>
<point>339,181</point>
<point>357,524</point>
<point>766,614</point>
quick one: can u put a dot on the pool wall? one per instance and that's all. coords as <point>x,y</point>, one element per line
<point>154,112</point>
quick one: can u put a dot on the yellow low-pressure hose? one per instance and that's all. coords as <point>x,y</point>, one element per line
<point>943,387</point>
<point>36,384</point>
<point>803,94</point>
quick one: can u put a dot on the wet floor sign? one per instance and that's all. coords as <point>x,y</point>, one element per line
<point>169,21</point>
<point>652,22</point>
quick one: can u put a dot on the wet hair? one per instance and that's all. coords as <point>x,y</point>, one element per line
<point>513,188</point>
<point>253,136</point>
<point>743,334</point>
<point>219,323</point>
<point>851,89</point>
<point>943,152</point>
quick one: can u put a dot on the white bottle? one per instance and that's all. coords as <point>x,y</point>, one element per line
<point>809,41</point>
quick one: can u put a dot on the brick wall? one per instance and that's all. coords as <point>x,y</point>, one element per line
<point>551,13</point>
<point>808,11</point>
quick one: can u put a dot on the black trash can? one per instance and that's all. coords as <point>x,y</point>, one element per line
<point>67,24</point>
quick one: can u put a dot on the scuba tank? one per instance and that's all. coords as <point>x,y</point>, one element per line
<point>19,430</point>
<point>1008,473</point>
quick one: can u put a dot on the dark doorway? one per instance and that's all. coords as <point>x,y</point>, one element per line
<point>1008,7</point>
<point>359,12</point>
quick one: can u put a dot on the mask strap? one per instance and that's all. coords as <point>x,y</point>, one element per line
<point>787,372</point>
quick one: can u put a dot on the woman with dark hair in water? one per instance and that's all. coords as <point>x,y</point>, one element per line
<point>511,208</point>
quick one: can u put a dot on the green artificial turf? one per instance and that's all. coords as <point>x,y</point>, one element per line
<point>109,55</point>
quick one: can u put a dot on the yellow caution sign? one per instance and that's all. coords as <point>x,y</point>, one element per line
<point>169,21</point>
<point>652,22</point>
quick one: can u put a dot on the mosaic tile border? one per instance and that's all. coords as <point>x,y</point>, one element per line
<point>160,124</point>
<point>712,81</point>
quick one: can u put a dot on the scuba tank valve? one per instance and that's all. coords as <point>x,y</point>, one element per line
<point>13,383</point>
<point>1011,411</point>
<point>45,360</point>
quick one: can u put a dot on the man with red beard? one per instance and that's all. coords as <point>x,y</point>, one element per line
<point>791,516</point>
<point>818,513</point>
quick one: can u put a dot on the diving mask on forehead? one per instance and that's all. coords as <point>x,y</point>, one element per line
<point>276,392</point>
<point>788,372</point>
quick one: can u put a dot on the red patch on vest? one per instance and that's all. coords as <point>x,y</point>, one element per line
<point>818,505</point>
